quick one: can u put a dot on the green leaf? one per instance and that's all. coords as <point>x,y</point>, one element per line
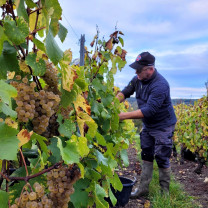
<point>68,97</point>
<point>100,139</point>
<point>4,198</point>
<point>52,49</point>
<point>7,110</point>
<point>8,60</point>
<point>116,182</point>
<point>56,155</point>
<point>21,11</point>
<point>67,128</point>
<point>69,153</point>
<point>80,193</point>
<point>99,197</point>
<point>114,122</point>
<point>2,39</point>
<point>39,44</point>
<point>112,197</point>
<point>106,99</point>
<point>101,158</point>
<point>41,140</point>
<point>62,32</point>
<point>6,92</point>
<point>8,141</point>
<point>124,157</point>
<point>98,85</point>
<point>30,4</point>
<point>39,68</point>
<point>121,41</point>
<point>82,146</point>
<point>16,33</point>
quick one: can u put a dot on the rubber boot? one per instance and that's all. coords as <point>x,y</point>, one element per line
<point>146,177</point>
<point>164,179</point>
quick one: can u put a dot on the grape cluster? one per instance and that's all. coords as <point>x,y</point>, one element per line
<point>25,99</point>
<point>46,105</point>
<point>33,199</point>
<point>51,78</point>
<point>36,106</point>
<point>60,184</point>
<point>65,112</point>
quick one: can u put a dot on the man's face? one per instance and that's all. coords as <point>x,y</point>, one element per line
<point>144,74</point>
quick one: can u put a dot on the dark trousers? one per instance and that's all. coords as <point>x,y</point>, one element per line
<point>157,144</point>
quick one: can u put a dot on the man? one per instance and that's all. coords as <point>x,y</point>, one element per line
<point>157,113</point>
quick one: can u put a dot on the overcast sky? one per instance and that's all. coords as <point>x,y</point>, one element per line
<point>175,32</point>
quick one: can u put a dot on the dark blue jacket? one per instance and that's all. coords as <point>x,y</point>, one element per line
<point>153,99</point>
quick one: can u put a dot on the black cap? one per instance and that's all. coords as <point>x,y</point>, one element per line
<point>142,60</point>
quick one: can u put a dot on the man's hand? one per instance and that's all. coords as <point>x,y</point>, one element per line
<point>131,115</point>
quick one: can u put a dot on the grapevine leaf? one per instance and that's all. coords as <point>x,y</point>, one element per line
<point>67,57</point>
<point>116,183</point>
<point>6,92</point>
<point>124,157</point>
<point>54,10</point>
<point>8,60</point>
<point>21,11</point>
<point>30,4</point>
<point>2,2</point>
<point>69,153</point>
<point>68,77</point>
<point>2,39</point>
<point>106,98</point>
<point>100,139</point>
<point>16,33</point>
<point>4,198</point>
<point>38,67</point>
<point>67,128</point>
<point>81,104</point>
<point>9,142</point>
<point>98,85</point>
<point>68,97</point>
<point>81,143</point>
<point>112,197</point>
<point>39,44</point>
<point>83,119</point>
<point>101,158</point>
<point>24,136</point>
<point>41,140</point>
<point>52,49</point>
<point>80,193</point>
<point>121,41</point>
<point>56,156</point>
<point>62,32</point>
<point>10,122</point>
<point>99,197</point>
<point>32,21</point>
<point>114,122</point>
<point>7,110</point>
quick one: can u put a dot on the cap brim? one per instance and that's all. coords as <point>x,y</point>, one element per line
<point>136,66</point>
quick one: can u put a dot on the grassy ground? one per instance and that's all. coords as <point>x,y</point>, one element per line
<point>177,198</point>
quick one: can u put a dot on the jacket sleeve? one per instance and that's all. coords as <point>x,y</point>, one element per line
<point>130,88</point>
<point>156,99</point>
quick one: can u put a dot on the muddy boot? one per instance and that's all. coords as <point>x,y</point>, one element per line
<point>146,177</point>
<point>164,179</point>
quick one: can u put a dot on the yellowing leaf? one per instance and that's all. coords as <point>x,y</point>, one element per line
<point>24,136</point>
<point>11,75</point>
<point>11,123</point>
<point>84,119</point>
<point>24,67</point>
<point>81,104</point>
<point>67,56</point>
<point>32,20</point>
<point>69,76</point>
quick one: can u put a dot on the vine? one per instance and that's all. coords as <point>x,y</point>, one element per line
<point>59,123</point>
<point>192,127</point>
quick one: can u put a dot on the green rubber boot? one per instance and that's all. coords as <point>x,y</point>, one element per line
<point>146,177</point>
<point>164,179</point>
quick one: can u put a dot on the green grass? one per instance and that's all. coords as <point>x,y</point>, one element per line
<point>177,198</point>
